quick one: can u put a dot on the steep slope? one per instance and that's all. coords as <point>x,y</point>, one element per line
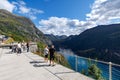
<point>55,37</point>
<point>20,28</point>
<point>101,42</point>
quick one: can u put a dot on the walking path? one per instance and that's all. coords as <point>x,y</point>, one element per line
<point>28,66</point>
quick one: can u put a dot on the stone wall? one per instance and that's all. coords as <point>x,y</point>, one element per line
<point>33,47</point>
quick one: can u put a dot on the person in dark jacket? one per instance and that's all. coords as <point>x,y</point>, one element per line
<point>28,46</point>
<point>52,56</point>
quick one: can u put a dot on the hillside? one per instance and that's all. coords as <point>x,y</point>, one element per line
<point>20,28</point>
<point>101,42</point>
<point>55,37</point>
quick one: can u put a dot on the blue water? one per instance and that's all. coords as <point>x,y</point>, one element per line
<point>84,64</point>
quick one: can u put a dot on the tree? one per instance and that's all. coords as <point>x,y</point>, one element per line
<point>95,72</point>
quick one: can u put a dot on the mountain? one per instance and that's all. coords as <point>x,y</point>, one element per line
<point>20,28</point>
<point>55,37</point>
<point>101,42</point>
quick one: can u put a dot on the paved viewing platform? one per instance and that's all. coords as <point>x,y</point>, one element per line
<point>28,66</point>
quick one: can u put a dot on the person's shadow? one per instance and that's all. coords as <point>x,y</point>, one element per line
<point>37,64</point>
<point>41,65</point>
<point>32,62</point>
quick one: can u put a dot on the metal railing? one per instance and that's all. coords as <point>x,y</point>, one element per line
<point>110,71</point>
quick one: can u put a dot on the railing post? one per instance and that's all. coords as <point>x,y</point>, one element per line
<point>110,71</point>
<point>76,63</point>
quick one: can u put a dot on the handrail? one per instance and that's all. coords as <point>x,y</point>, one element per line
<point>95,60</point>
<point>109,64</point>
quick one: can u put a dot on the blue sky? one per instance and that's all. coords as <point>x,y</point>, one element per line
<point>63,8</point>
<point>65,17</point>
<point>73,9</point>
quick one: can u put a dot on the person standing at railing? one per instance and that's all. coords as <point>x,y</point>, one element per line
<point>24,46</point>
<point>14,48</point>
<point>28,46</point>
<point>19,48</point>
<point>52,56</point>
<point>46,51</point>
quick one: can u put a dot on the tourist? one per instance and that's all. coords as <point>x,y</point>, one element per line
<point>52,55</point>
<point>19,48</point>
<point>24,46</point>
<point>28,46</point>
<point>14,48</point>
<point>46,51</point>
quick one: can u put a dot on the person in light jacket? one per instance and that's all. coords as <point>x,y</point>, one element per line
<point>46,51</point>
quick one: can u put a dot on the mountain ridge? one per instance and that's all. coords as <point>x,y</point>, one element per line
<point>101,42</point>
<point>55,37</point>
<point>20,28</point>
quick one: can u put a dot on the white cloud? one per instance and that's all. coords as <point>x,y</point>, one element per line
<point>27,11</point>
<point>24,10</point>
<point>61,26</point>
<point>20,7</point>
<point>5,4</point>
<point>33,17</point>
<point>36,11</point>
<point>22,2</point>
<point>102,12</point>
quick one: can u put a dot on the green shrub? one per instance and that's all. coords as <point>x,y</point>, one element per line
<point>41,46</point>
<point>95,72</point>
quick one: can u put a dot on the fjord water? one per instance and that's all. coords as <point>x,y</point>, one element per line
<point>83,63</point>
